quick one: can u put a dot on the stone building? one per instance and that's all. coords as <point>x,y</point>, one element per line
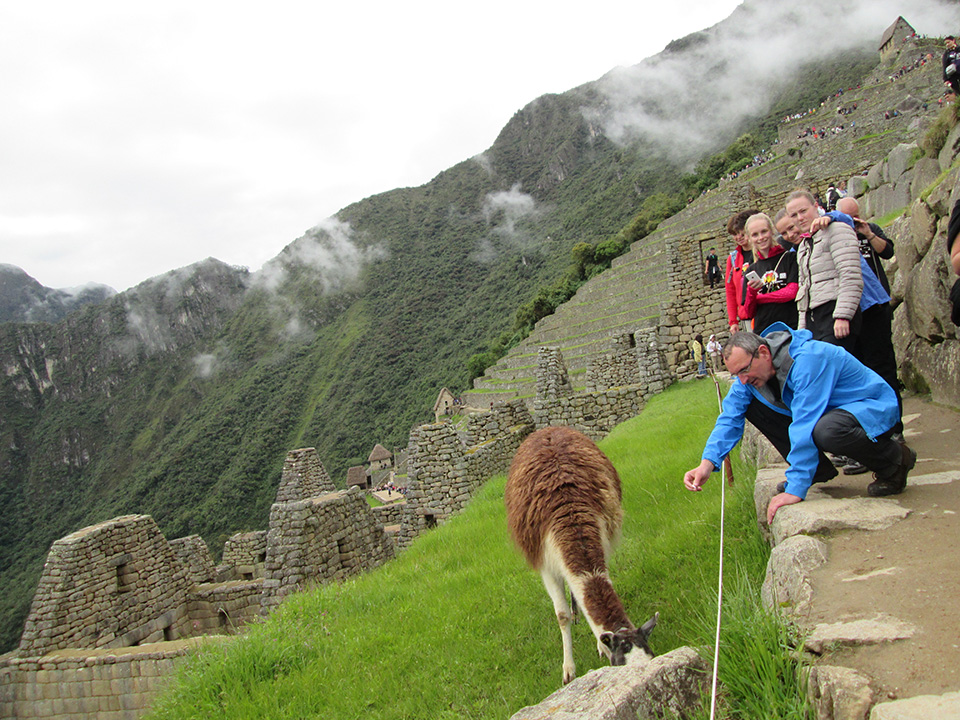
<point>114,584</point>
<point>380,459</point>
<point>894,36</point>
<point>444,404</point>
<point>357,476</point>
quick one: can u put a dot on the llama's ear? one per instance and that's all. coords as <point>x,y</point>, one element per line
<point>650,624</point>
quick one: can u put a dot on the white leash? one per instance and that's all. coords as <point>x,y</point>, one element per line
<point>723,502</point>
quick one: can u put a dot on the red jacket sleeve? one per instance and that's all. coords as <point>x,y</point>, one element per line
<point>731,288</point>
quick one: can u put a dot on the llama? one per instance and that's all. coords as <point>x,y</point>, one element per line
<point>563,509</point>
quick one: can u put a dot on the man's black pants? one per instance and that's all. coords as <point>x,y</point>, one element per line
<point>837,432</point>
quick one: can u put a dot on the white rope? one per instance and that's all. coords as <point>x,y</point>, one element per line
<point>716,641</point>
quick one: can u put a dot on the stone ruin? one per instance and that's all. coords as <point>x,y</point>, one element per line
<point>618,383</point>
<point>116,600</point>
<point>115,587</point>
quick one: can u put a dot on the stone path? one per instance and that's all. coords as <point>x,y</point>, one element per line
<point>876,581</point>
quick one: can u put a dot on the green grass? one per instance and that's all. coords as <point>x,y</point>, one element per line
<point>459,627</point>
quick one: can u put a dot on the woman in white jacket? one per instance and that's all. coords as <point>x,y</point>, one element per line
<point>828,257</point>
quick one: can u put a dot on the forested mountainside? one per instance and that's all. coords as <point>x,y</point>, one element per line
<point>180,397</point>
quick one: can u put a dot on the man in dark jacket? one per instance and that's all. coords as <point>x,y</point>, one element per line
<point>951,71</point>
<point>815,398</point>
<point>874,244</point>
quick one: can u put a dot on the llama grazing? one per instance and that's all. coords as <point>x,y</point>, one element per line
<point>563,508</point>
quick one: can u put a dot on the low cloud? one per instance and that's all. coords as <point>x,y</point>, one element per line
<point>694,102</point>
<point>330,252</point>
<point>510,215</point>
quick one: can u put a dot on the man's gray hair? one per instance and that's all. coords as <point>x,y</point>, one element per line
<point>748,341</point>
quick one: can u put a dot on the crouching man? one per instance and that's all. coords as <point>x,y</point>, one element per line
<point>808,398</point>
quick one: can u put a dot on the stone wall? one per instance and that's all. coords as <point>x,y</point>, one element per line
<point>223,607</point>
<point>107,685</point>
<point>926,189</point>
<point>114,584</point>
<point>303,476</point>
<point>193,552</point>
<point>319,539</point>
<point>444,472</point>
<point>622,380</point>
<point>244,555</point>
<point>391,514</point>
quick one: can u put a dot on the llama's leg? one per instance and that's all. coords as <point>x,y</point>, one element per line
<point>557,592</point>
<point>574,610</point>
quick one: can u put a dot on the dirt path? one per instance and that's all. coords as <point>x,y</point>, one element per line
<point>910,571</point>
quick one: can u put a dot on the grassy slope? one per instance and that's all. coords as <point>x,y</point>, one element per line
<point>459,627</point>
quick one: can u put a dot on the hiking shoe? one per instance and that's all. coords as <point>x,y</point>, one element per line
<point>898,482</point>
<point>854,468</point>
<point>838,460</point>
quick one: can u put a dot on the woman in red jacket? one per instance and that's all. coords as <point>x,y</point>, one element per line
<point>741,257</point>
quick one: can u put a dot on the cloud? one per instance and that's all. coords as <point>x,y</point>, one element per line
<point>205,365</point>
<point>330,256</point>
<point>330,252</point>
<point>693,102</point>
<point>507,214</point>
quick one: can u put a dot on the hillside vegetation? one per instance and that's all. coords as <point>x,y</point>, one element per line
<point>459,627</point>
<point>180,397</point>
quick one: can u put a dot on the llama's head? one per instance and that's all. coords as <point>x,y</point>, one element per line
<point>628,646</point>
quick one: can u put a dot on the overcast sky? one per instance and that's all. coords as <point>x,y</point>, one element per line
<point>139,138</point>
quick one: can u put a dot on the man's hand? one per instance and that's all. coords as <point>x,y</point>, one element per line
<point>820,223</point>
<point>778,501</point>
<point>841,328</point>
<point>694,479</point>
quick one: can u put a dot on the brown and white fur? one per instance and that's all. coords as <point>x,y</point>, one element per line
<point>563,509</point>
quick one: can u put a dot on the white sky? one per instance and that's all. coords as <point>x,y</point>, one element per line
<point>135,139</point>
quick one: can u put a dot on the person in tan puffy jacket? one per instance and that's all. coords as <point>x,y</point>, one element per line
<point>828,257</point>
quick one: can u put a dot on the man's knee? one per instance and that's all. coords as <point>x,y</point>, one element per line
<point>835,428</point>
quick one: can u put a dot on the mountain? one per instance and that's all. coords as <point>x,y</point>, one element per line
<point>180,397</point>
<point>23,299</point>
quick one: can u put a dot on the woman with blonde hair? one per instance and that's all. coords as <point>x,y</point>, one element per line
<point>771,281</point>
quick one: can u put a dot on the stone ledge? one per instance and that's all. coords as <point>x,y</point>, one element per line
<point>669,683</point>
<point>881,629</point>
<point>922,707</point>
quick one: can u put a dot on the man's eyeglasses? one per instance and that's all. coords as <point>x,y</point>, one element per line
<point>745,370</point>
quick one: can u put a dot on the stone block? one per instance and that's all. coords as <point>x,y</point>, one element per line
<point>900,160</point>
<point>921,707</point>
<point>841,693</point>
<point>669,685</point>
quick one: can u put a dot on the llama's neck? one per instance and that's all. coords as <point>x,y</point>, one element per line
<point>601,604</point>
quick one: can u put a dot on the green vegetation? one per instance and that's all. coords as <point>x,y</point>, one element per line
<point>459,627</point>
<point>936,137</point>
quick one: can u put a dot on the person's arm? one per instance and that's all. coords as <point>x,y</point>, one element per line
<point>731,291</point>
<point>953,238</point>
<point>844,249</point>
<point>955,255</point>
<point>784,294</point>
<point>728,429</point>
<point>878,240</point>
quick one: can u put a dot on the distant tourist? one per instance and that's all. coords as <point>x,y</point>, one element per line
<point>808,398</point>
<point>712,267</point>
<point>713,350</point>
<point>696,352</point>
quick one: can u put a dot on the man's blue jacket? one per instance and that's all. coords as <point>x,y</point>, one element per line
<point>814,377</point>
